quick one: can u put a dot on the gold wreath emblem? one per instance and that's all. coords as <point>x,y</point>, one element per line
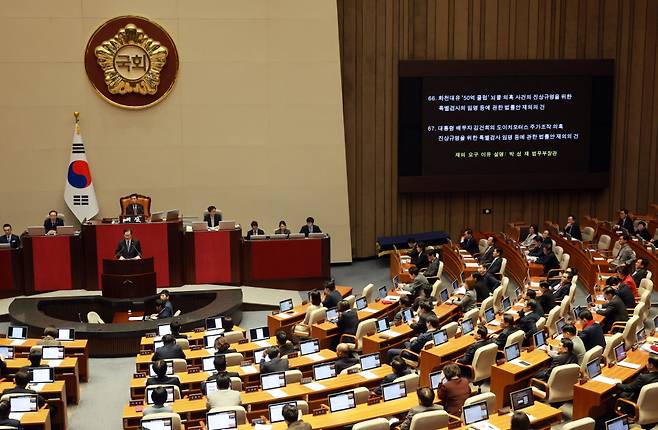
<point>131,61</point>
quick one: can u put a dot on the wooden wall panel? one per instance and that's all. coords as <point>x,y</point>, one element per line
<point>376,34</point>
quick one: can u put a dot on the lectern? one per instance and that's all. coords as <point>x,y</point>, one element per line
<point>128,279</point>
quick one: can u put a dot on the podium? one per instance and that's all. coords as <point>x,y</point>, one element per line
<point>128,279</point>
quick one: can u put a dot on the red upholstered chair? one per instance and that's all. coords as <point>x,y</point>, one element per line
<point>145,201</point>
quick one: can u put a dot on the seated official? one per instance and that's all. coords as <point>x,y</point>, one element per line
<point>468,242</point>
<point>422,260</point>
<point>128,248</point>
<point>35,356</point>
<point>310,227</point>
<point>569,332</point>
<point>159,406</point>
<point>418,282</point>
<point>290,414</point>
<point>22,379</point>
<point>254,230</point>
<point>348,319</point>
<point>413,252</point>
<point>592,333</point>
<point>496,264</point>
<point>613,310</point>
<point>548,259</point>
<point>547,299</point>
<point>165,296</point>
<point>161,378</point>
<point>631,390</point>
<point>161,310</point>
<point>222,346</point>
<point>520,421</point>
<point>10,238</point>
<point>425,311</point>
<point>169,349</point>
<point>175,330</point>
<point>345,357</point>
<point>527,321</point>
<point>481,287</point>
<point>52,222</point>
<point>331,295</point>
<point>5,410</point>
<point>454,392</point>
<point>481,339</point>
<point>469,300</point>
<point>220,369</point>
<point>487,256</point>
<point>564,356</point>
<point>212,217</point>
<point>285,346</point>
<point>532,233</point>
<point>433,265</point>
<point>49,335</point>
<point>416,345</point>
<point>276,363</point>
<point>626,254</point>
<point>316,303</point>
<point>283,228</point>
<point>623,291</point>
<point>640,270</point>
<point>626,272</point>
<point>400,369</point>
<point>224,396</point>
<point>405,303</point>
<point>227,324</point>
<point>531,295</point>
<point>572,228</point>
<point>537,247</point>
<point>625,221</point>
<point>509,327</point>
<point>425,404</point>
<point>487,278</point>
<point>134,208</point>
<point>563,286</point>
<point>642,232</point>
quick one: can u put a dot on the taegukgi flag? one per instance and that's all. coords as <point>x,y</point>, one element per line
<point>79,192</point>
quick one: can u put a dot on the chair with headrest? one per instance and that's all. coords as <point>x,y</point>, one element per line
<point>145,201</point>
<point>410,381</point>
<point>590,355</point>
<point>240,412</point>
<point>316,316</point>
<point>179,364</point>
<point>350,299</point>
<point>588,234</point>
<point>365,328</point>
<point>541,323</point>
<point>439,272</point>
<point>553,316</point>
<point>498,298</point>
<point>515,337</point>
<point>482,245</point>
<point>234,358</point>
<point>565,306</point>
<point>429,420</point>
<point>559,387</point>
<point>558,251</point>
<point>234,336</point>
<point>610,343</point>
<point>370,293</point>
<point>293,376</point>
<point>604,243</point>
<point>472,315</point>
<point>645,409</point>
<point>483,361</point>
<point>175,419</point>
<point>183,343</point>
<point>586,423</point>
<point>486,304</point>
<point>94,318</point>
<point>236,383</point>
<point>489,397</point>
<point>353,367</point>
<point>450,328</point>
<point>373,424</point>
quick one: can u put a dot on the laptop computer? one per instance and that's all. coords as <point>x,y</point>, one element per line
<point>23,403</point>
<point>274,380</point>
<point>158,343</point>
<point>296,236</point>
<point>276,411</point>
<point>475,413</point>
<point>521,399</point>
<point>65,230</point>
<point>199,226</point>
<point>164,329</point>
<point>361,303</point>
<point>221,420</point>
<point>160,216</point>
<point>209,386</point>
<point>227,225</point>
<point>594,368</point>
<point>259,333</point>
<point>214,323</point>
<point>258,237</point>
<point>507,303</point>
<point>539,339</point>
<point>42,375</point>
<point>36,230</point>
<point>341,401</point>
<point>7,352</point>
<point>17,332</point>
<point>156,423</point>
<point>558,326</point>
<point>149,394</point>
<point>52,352</point>
<point>620,352</point>
<point>467,326</point>
<point>370,361</point>
<point>382,325</point>
<point>394,391</point>
<point>407,315</point>
<point>382,292</point>
<point>65,334</point>
<point>332,315</point>
<point>396,281</point>
<point>260,354</point>
<point>285,305</point>
<point>208,364</point>
<point>324,371</point>
<point>440,337</point>
<point>309,347</point>
<point>443,295</point>
<point>436,379</point>
<point>169,372</point>
<point>209,339</point>
<point>619,423</point>
<point>489,315</point>
<point>641,336</point>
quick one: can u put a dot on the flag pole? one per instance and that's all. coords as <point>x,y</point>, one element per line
<point>77,116</point>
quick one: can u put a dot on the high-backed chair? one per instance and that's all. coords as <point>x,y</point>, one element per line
<point>369,293</point>
<point>640,310</point>
<point>240,412</point>
<point>316,316</point>
<point>590,355</point>
<point>604,243</point>
<point>429,420</point>
<point>645,409</point>
<point>646,285</point>
<point>565,306</point>
<point>553,316</point>
<point>365,328</point>
<point>610,343</point>
<point>183,343</point>
<point>293,376</point>
<point>486,304</point>
<point>630,330</point>
<point>498,299</point>
<point>179,364</point>
<point>346,370</point>
<point>586,423</point>
<point>350,299</point>
<point>472,315</point>
<point>175,419</point>
<point>450,328</point>
<point>436,289</point>
<point>489,397</point>
<point>559,387</point>
<point>572,292</point>
<point>516,337</point>
<point>558,251</point>
<point>361,394</point>
<point>588,234</point>
<point>234,336</point>
<point>234,358</point>
<point>94,318</point>
<point>410,381</point>
<point>145,201</point>
<point>483,361</point>
<point>504,282</point>
<point>236,383</point>
<point>373,424</point>
<point>541,323</point>
<point>482,245</point>
<point>503,266</point>
<point>439,272</point>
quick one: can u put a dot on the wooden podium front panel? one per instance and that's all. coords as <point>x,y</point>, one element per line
<point>286,258</point>
<point>11,272</point>
<point>52,263</point>
<point>213,257</point>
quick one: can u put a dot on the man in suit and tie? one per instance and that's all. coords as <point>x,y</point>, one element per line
<point>169,350</point>
<point>626,254</point>
<point>212,217</point>
<point>487,256</point>
<point>52,222</point>
<point>10,238</point>
<point>254,230</point>
<point>497,262</point>
<point>631,391</point>
<point>591,334</point>
<point>417,344</point>
<point>614,310</point>
<point>565,356</point>
<point>433,268</point>
<point>640,271</point>
<point>468,242</point>
<point>331,294</point>
<point>642,231</point>
<point>572,228</point>
<point>276,363</point>
<point>128,248</point>
<point>134,208</point>
<point>625,221</point>
<point>310,227</point>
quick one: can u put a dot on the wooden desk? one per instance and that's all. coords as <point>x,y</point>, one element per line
<point>125,317</point>
<point>67,371</point>
<point>76,348</point>
<point>11,272</point>
<point>55,394</point>
<point>195,338</point>
<point>594,398</point>
<point>39,420</point>
<point>433,358</point>
<point>507,377</point>
<point>544,415</point>
<point>189,410</point>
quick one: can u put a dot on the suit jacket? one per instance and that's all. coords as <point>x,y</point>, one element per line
<point>433,268</point>
<point>347,322</point>
<point>481,290</point>
<point>345,362</point>
<point>644,234</point>
<point>306,231</point>
<point>220,398</point>
<point>417,344</point>
<point>406,424</point>
<point>168,352</point>
<point>556,361</point>
<point>626,223</point>
<point>134,209</point>
<point>573,230</point>
<point>487,256</point>
<point>528,322</point>
<point>13,241</point>
<point>626,295</point>
<point>9,422</point>
<point>613,311</point>
<point>421,325</point>
<point>495,266</point>
<point>165,380</point>
<point>422,261</point>
<point>251,232</point>
<point>501,340</point>
<point>214,377</point>
<point>215,221</point>
<point>470,351</point>
<point>49,341</point>
<point>491,282</point>
<point>561,292</point>
<point>470,245</point>
<point>453,394</point>
<point>592,336</point>
<point>166,311</point>
<point>467,302</point>
<point>286,348</point>
<point>631,391</point>
<point>299,425</point>
<point>550,262</point>
<point>124,251</point>
<point>279,231</point>
<point>331,301</point>
<point>625,256</point>
<point>638,275</point>
<point>49,226</point>
<point>275,365</point>
<point>547,301</point>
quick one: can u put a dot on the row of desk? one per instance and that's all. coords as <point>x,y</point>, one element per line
<point>49,263</point>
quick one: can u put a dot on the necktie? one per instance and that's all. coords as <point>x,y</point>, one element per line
<point>212,221</point>
<point>128,245</point>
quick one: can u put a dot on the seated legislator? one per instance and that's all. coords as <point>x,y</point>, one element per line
<point>642,232</point>
<point>520,421</point>
<point>497,262</point>
<point>49,335</point>
<point>315,303</point>
<point>310,227</point>
<point>592,333</point>
<point>416,344</point>
<point>222,347</point>
<point>487,279</point>
<point>128,248</point>
<point>468,242</point>
<point>532,233</point>
<point>613,310</point>
<point>290,414</point>
<point>212,217</point>
<point>275,364</point>
<point>454,391</point>
<point>487,256</point>
<point>10,238</point>
<point>469,300</point>
<point>527,321</point>
<point>572,228</point>
<point>413,252</point>
<point>161,310</point>
<point>52,222</point>
<point>175,330</point>
<point>425,404</point>
<point>626,254</point>
<point>348,319</point>
<point>547,299</point>
<point>22,379</point>
<point>220,369</point>
<point>283,343</point>
<point>548,259</point>
<point>481,339</point>
<point>169,349</point>
<point>640,270</point>
<point>625,221</point>
<point>425,311</point>
<point>434,263</point>
<point>531,295</point>
<point>331,295</point>
<point>536,248</point>
<point>569,332</point>
<point>564,356</point>
<point>405,303</point>
<point>159,406</point>
<point>223,396</point>
<point>623,291</point>
<point>283,228</point>
<point>5,410</point>
<point>254,230</point>
<point>161,377</point>
<point>419,282</point>
<point>509,327</point>
<point>134,208</point>
<point>631,390</point>
<point>400,369</point>
<point>422,260</point>
<point>345,357</point>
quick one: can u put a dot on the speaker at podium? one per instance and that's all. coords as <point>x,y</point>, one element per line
<point>128,279</point>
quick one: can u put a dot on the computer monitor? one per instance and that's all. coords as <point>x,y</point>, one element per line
<point>42,375</point>
<point>209,339</point>
<point>517,293</point>
<point>157,423</point>
<point>455,284</point>
<point>65,334</point>
<point>158,344</point>
<point>23,403</point>
<point>620,352</point>
<point>214,323</point>
<point>396,281</point>
<point>407,315</point>
<point>324,371</point>
<point>164,329</point>
<point>361,303</point>
<point>149,394</point>
<point>52,352</point>
<point>222,420</point>
<point>443,295</point>
<point>211,386</point>
<point>589,300</point>
<point>17,332</point>
<point>436,379</point>
<point>475,412</point>
<point>382,325</point>
<point>309,347</point>
<point>276,411</point>
<point>521,399</point>
<point>577,310</point>
<point>341,401</point>
<point>382,292</point>
<point>489,314</point>
<point>462,277</point>
<point>619,423</point>
<point>370,361</point>
<point>512,352</point>
<point>539,338</point>
<point>440,337</point>
<point>170,368</point>
<point>208,364</point>
<point>260,354</point>
<point>467,326</point>
<point>274,380</point>
<point>285,305</point>
<point>594,368</point>
<point>332,314</point>
<point>259,333</point>
<point>394,391</point>
<point>559,324</point>
<point>507,303</point>
<point>641,335</point>
<point>7,352</point>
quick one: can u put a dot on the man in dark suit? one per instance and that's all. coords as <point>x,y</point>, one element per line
<point>434,263</point>
<point>220,369</point>
<point>348,320</point>
<point>128,248</point>
<point>345,357</point>
<point>310,227</point>
<point>425,310</point>
<point>331,295</point>
<point>283,343</point>
<point>161,310</point>
<point>642,231</point>
<point>422,260</point>
<point>161,378</point>
<point>561,290</point>
<point>52,222</point>
<point>417,344</point>
<point>509,327</point>
<point>165,297</point>
<point>290,414</point>
<point>546,300</point>
<point>537,247</point>
<point>254,230</point>
<point>487,256</point>
<point>565,356</point>
<point>497,262</point>
<point>5,410</point>
<point>631,390</point>
<point>175,330</point>
<point>10,238</point>
<point>134,208</point>
<point>623,291</point>
<point>413,251</point>
<point>591,333</point>
<point>480,341</point>
<point>212,217</point>
<point>489,280</point>
<point>276,363</point>
<point>468,242</point>
<point>640,272</point>
<point>528,318</point>
<point>21,379</point>
<point>572,228</point>
<point>614,310</point>
<point>625,221</point>
<point>548,259</point>
<point>169,349</point>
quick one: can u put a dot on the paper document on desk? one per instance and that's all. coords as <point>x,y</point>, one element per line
<point>511,312</point>
<point>474,265</point>
<point>606,380</point>
<point>534,284</point>
<point>54,363</point>
<point>369,310</point>
<point>263,427</point>
<point>388,334</point>
<point>367,374</point>
<point>284,315</point>
<point>599,259</point>
<point>629,365</point>
<point>17,342</point>
<point>249,369</point>
<point>484,425</point>
<point>392,298</point>
<point>494,323</point>
<point>37,387</point>
<point>314,386</point>
<point>277,393</point>
<point>16,415</point>
<point>135,318</point>
<point>520,363</point>
<point>316,356</point>
<point>460,290</point>
<point>263,343</point>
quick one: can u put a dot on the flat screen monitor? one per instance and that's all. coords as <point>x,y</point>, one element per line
<point>394,391</point>
<point>396,282</point>
<point>208,364</point>
<point>158,344</point>
<point>440,337</point>
<point>276,411</point>
<point>467,326</point>
<point>475,413</point>
<point>455,285</point>
<point>149,394</point>
<point>285,305</point>
<point>443,295</point>
<point>170,369</point>
<point>619,423</point>
<point>309,347</point>
<point>214,323</point>
<point>539,338</point>
<point>361,303</point>
<point>370,361</point>
<point>260,354</point>
<point>594,368</point>
<point>382,292</point>
<point>341,401</point>
<point>164,329</point>
<point>274,380</point>
<point>620,352</point>
<point>52,352</point>
<point>7,352</point>
<point>209,339</point>
<point>489,315</point>
<point>577,310</point>
<point>211,386</point>
<point>641,336</point>
<point>382,325</point>
<point>42,375</point>
<point>157,423</point>
<point>24,403</point>
<point>222,420</point>
<point>259,333</point>
<point>559,324</point>
<point>407,315</point>
<point>521,399</point>
<point>65,334</point>
<point>512,352</point>
<point>17,332</point>
<point>517,294</point>
<point>332,314</point>
<point>507,303</point>
<point>324,371</point>
<point>436,379</point>
<point>589,300</point>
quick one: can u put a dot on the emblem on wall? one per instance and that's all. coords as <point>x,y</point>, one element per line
<point>131,62</point>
